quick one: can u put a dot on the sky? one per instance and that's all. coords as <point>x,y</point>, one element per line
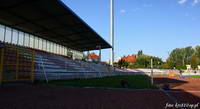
<point>154,26</point>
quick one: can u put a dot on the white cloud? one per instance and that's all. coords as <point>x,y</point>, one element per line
<point>122,11</point>
<point>182,1</point>
<point>195,2</point>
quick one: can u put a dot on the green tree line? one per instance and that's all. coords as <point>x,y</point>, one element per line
<point>178,59</point>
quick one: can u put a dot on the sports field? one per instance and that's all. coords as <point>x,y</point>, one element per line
<point>64,97</point>
<point>134,81</point>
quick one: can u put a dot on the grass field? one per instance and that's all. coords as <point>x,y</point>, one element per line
<point>135,82</point>
<point>192,76</point>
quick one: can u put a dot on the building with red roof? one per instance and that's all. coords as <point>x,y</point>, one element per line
<point>93,57</point>
<point>130,58</point>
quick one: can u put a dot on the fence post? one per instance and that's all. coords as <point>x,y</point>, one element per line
<point>1,65</point>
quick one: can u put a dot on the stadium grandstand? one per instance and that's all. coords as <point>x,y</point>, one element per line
<point>45,40</point>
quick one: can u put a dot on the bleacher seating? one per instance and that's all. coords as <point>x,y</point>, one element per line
<point>53,66</point>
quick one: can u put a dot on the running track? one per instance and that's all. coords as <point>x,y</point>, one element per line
<point>60,97</point>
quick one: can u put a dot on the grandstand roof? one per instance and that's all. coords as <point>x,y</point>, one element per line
<point>51,20</point>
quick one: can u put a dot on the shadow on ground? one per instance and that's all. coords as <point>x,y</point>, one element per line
<point>62,97</point>
<point>173,82</point>
<point>183,90</point>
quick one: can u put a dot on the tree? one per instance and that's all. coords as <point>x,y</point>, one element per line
<point>170,64</point>
<point>180,57</point>
<point>145,60</point>
<point>177,56</point>
<point>188,52</point>
<point>164,65</point>
<point>194,61</point>
<point>197,52</point>
<point>120,63</point>
<point>140,52</point>
<point>123,63</point>
<point>157,62</point>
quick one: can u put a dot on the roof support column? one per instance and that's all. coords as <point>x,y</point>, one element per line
<point>66,51</point>
<point>73,55</point>
<point>11,36</point>
<point>58,48</point>
<point>42,43</point>
<point>29,40</point>
<point>53,50</point>
<point>49,46</point>
<point>99,47</point>
<point>38,43</point>
<point>17,37</point>
<point>33,41</point>
<point>100,54</point>
<point>4,39</point>
<point>61,48</point>
<point>88,52</point>
<point>24,39</point>
<point>46,45</point>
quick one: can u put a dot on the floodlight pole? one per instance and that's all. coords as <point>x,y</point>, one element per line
<point>112,31</point>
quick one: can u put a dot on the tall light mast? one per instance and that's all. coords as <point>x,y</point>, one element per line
<point>112,31</point>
